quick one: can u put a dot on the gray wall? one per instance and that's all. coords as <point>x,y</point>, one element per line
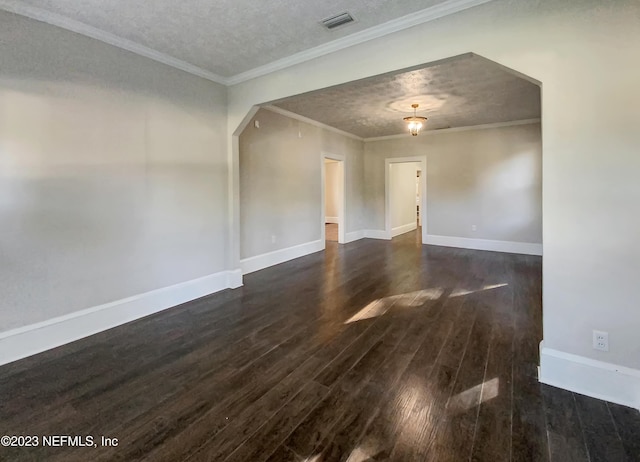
<point>113,175</point>
<point>280,190</point>
<point>491,178</point>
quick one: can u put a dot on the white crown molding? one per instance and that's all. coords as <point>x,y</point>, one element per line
<point>309,121</point>
<point>13,6</point>
<point>457,129</point>
<point>419,17</point>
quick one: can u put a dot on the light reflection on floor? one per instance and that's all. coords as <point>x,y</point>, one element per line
<point>412,419</point>
<point>474,396</point>
<point>411,300</point>
<point>359,455</point>
<point>461,292</point>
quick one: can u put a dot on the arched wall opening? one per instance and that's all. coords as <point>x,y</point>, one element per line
<point>589,162</point>
<point>482,138</point>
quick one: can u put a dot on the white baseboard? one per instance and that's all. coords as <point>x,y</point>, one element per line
<point>376,234</point>
<point>598,379</point>
<point>36,338</point>
<point>353,236</point>
<point>485,244</point>
<point>234,278</point>
<point>331,219</point>
<point>398,230</point>
<point>251,264</point>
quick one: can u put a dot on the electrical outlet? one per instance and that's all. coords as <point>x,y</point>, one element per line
<point>600,340</point>
<point>273,239</point>
<point>474,228</point>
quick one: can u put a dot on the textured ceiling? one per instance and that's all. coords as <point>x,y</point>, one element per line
<point>460,92</point>
<point>227,37</point>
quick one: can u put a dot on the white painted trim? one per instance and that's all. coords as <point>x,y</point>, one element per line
<point>387,192</point>
<point>35,338</point>
<point>513,123</point>
<point>234,278</point>
<point>251,264</point>
<point>78,27</point>
<point>419,17</point>
<point>233,189</point>
<point>398,230</point>
<point>354,236</point>
<point>590,377</point>
<point>525,248</point>
<point>376,234</point>
<point>307,120</point>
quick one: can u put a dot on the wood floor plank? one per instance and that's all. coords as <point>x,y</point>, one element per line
<point>342,442</point>
<point>284,454</point>
<point>230,431</point>
<point>397,418</point>
<point>627,423</point>
<point>600,433</point>
<point>455,439</point>
<point>272,433</point>
<point>352,354</point>
<point>314,430</point>
<point>529,431</point>
<point>456,343</point>
<point>426,413</point>
<point>492,439</point>
<point>205,411</point>
<point>375,350</point>
<point>566,438</point>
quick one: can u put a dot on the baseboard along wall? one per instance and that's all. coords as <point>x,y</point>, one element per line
<point>29,340</point>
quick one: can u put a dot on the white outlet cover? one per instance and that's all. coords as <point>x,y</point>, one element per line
<point>600,340</point>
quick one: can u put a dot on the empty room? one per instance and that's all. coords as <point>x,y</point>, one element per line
<point>319,231</point>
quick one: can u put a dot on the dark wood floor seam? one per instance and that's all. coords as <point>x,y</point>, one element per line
<point>292,367</point>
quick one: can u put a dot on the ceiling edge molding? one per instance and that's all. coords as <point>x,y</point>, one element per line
<point>78,27</point>
<point>309,121</point>
<point>420,17</point>
<point>512,123</point>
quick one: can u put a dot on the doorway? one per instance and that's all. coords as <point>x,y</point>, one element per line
<point>405,196</point>
<point>333,198</point>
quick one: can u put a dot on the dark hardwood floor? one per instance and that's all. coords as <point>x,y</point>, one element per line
<point>372,351</point>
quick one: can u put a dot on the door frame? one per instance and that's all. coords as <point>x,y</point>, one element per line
<point>342,191</point>
<point>387,193</point>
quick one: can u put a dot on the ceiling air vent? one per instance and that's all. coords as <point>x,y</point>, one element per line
<point>337,20</point>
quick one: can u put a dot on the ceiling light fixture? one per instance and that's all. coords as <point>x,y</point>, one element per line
<point>415,123</point>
